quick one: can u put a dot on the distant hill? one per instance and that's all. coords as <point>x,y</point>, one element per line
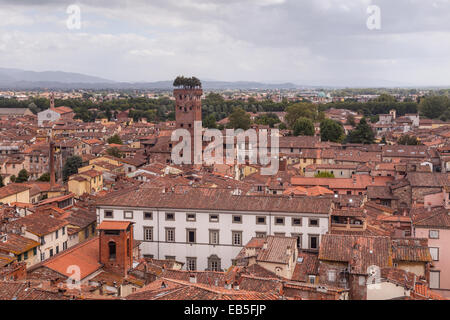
<point>24,76</point>
<point>22,79</point>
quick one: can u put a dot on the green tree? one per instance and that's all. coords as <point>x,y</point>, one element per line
<point>115,139</point>
<point>406,139</point>
<point>303,127</point>
<point>115,152</point>
<point>269,119</point>
<point>13,178</point>
<point>362,134</point>
<point>331,130</point>
<point>44,177</point>
<point>239,119</point>
<point>71,166</point>
<point>282,126</point>
<point>434,106</point>
<point>210,122</point>
<point>295,111</point>
<point>351,120</point>
<point>22,176</point>
<point>324,174</point>
<point>384,97</point>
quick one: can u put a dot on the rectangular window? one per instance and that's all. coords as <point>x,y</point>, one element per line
<point>63,230</point>
<point>313,222</point>
<point>42,256</point>
<point>298,236</point>
<point>236,237</point>
<point>148,256</point>
<point>148,215</point>
<point>237,219</point>
<point>65,245</point>
<point>56,234</point>
<point>331,275</point>
<point>435,279</point>
<point>213,218</point>
<point>434,253</point>
<point>19,257</point>
<point>279,234</point>
<point>128,214</point>
<point>296,221</point>
<point>261,234</point>
<point>172,258</point>
<point>86,233</point>
<point>51,252</point>
<point>314,242</point>
<point>190,235</point>
<point>190,216</point>
<point>279,221</point>
<point>170,216</point>
<point>109,214</point>
<point>148,233</point>
<point>25,256</point>
<point>170,234</point>
<point>434,234</point>
<point>213,236</point>
<point>191,264</point>
<point>34,251</point>
<point>57,249</point>
<point>42,240</point>
<point>260,220</point>
<point>312,279</point>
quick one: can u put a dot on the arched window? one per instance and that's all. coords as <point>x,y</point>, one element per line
<point>214,263</point>
<point>112,250</point>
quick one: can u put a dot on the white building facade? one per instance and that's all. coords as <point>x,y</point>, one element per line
<point>209,239</point>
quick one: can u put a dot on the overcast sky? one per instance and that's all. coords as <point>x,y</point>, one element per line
<point>311,42</point>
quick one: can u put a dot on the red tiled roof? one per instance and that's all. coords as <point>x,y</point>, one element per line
<point>113,225</point>
<point>84,255</point>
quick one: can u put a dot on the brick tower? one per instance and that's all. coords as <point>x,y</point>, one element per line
<point>188,107</point>
<point>116,246</point>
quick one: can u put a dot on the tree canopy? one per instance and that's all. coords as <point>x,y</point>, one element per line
<point>22,176</point>
<point>303,127</point>
<point>187,83</point>
<point>115,139</point>
<point>298,110</point>
<point>434,107</point>
<point>45,177</point>
<point>71,166</point>
<point>331,130</point>
<point>409,140</point>
<point>362,134</point>
<point>269,119</point>
<point>115,152</point>
<point>239,119</point>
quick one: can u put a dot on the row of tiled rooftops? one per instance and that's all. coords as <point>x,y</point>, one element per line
<point>206,198</point>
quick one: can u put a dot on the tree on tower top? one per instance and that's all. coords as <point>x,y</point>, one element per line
<point>187,83</point>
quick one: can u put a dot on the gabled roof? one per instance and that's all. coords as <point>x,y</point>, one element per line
<point>359,252</point>
<point>84,255</point>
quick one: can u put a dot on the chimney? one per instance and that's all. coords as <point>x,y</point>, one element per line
<point>52,164</point>
<point>288,251</point>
